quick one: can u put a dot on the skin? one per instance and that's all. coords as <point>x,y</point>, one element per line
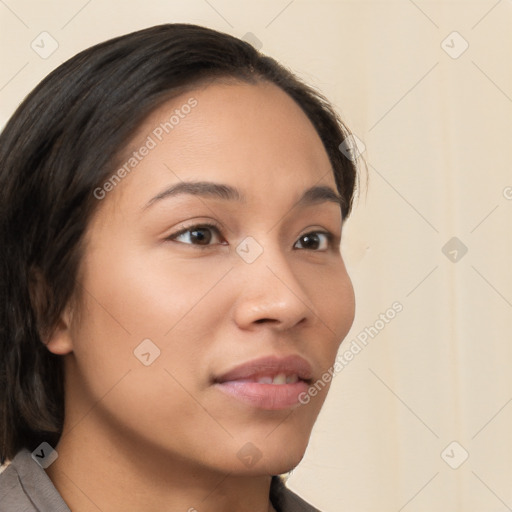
<point>161,437</point>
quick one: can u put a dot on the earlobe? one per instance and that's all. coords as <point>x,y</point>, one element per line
<point>59,341</point>
<point>57,338</point>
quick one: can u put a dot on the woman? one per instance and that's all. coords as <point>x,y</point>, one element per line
<point>172,284</point>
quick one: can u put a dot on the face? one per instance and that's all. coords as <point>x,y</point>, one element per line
<point>180,289</point>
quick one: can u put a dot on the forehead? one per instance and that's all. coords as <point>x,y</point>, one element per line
<point>252,136</point>
<point>260,117</point>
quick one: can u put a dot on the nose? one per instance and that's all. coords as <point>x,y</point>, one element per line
<point>270,292</point>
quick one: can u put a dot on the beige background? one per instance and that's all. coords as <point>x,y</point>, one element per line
<point>437,128</point>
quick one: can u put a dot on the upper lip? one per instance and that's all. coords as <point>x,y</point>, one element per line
<point>271,365</point>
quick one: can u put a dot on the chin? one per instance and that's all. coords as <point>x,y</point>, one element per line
<point>277,460</point>
<point>284,465</point>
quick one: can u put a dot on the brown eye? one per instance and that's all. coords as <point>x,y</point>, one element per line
<point>312,240</point>
<point>200,234</point>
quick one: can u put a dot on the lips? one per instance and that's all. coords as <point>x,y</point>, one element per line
<point>269,367</point>
<point>268,383</point>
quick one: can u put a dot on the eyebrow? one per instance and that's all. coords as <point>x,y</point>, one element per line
<point>311,196</point>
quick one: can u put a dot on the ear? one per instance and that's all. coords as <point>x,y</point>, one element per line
<point>57,338</point>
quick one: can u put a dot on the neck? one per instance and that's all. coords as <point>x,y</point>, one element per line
<point>94,473</point>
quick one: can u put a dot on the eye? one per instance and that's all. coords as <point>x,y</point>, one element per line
<point>313,240</point>
<point>201,235</point>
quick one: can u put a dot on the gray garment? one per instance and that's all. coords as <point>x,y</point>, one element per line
<point>25,487</point>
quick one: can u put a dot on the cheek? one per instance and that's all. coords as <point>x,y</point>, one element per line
<point>149,297</point>
<point>334,300</point>
<point>128,300</point>
<point>125,304</point>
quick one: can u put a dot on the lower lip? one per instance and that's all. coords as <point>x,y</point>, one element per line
<point>265,396</point>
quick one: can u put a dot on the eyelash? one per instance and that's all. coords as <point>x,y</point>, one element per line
<point>330,236</point>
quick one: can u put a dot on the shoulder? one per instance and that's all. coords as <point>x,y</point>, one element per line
<point>285,500</point>
<point>25,487</point>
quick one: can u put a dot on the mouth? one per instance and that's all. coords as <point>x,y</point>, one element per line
<point>269,383</point>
